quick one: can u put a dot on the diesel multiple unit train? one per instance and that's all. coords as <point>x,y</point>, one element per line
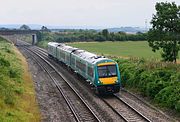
<point>102,73</point>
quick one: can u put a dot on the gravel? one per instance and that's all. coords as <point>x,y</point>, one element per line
<point>51,103</point>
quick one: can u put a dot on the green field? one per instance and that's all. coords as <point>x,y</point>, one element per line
<point>125,49</point>
<point>121,49</point>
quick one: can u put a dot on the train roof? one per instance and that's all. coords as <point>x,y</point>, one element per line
<point>67,48</point>
<point>89,57</point>
<point>85,55</point>
<point>54,44</point>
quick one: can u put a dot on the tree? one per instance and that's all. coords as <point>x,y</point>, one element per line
<point>165,31</point>
<point>25,27</point>
<point>44,29</point>
<point>105,33</point>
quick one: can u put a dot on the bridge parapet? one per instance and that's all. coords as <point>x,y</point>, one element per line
<point>18,34</point>
<point>12,32</point>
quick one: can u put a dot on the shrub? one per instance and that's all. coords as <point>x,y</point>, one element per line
<point>19,90</point>
<point>159,81</point>
<point>10,113</point>
<point>177,106</point>
<point>143,79</point>
<point>169,96</point>
<point>163,74</point>
<point>153,88</point>
<point>9,100</point>
<point>7,49</point>
<point>4,63</point>
<point>13,73</point>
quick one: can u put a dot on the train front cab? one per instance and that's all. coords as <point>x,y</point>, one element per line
<point>107,78</point>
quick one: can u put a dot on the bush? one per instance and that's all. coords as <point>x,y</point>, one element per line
<point>159,81</point>
<point>153,88</point>
<point>144,78</point>
<point>13,73</point>
<point>9,100</point>
<point>7,49</point>
<point>19,90</point>
<point>169,96</point>
<point>4,63</point>
<point>163,74</point>
<point>177,106</point>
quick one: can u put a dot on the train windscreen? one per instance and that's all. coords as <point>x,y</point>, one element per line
<point>107,71</point>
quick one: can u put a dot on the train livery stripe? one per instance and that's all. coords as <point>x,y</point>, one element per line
<point>107,63</point>
<point>111,80</point>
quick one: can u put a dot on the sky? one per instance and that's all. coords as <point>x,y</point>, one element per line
<point>100,13</point>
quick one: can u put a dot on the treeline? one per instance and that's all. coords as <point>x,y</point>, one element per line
<point>89,35</point>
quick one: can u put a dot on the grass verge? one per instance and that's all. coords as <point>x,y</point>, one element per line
<point>17,95</point>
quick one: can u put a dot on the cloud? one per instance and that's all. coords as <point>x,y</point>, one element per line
<point>77,12</point>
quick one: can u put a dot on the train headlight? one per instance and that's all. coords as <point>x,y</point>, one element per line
<point>99,81</point>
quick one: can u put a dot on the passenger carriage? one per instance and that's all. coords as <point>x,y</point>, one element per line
<point>101,72</point>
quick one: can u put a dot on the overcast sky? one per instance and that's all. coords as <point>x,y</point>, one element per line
<point>105,13</point>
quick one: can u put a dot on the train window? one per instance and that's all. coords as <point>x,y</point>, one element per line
<point>62,54</point>
<point>90,71</point>
<point>107,71</point>
<point>81,66</point>
<point>73,61</point>
<point>67,57</point>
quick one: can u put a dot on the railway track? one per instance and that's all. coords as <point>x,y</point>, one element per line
<point>127,116</point>
<point>131,116</point>
<point>77,105</point>
<point>147,109</point>
<point>56,65</point>
<point>156,117</point>
<point>121,107</point>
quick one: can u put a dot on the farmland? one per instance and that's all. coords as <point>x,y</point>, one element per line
<point>126,49</point>
<point>120,49</point>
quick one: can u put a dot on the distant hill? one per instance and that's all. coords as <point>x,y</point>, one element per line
<point>57,28</point>
<point>37,26</point>
<point>128,29</point>
<point>17,26</point>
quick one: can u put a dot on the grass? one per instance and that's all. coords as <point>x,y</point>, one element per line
<point>17,95</point>
<point>119,49</point>
<point>43,44</point>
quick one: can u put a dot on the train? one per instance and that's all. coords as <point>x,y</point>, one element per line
<point>102,73</point>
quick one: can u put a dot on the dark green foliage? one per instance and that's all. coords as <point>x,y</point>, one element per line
<point>142,80</point>
<point>4,63</point>
<point>127,72</point>
<point>169,96</point>
<point>100,38</point>
<point>158,81</point>
<point>13,73</point>
<point>105,33</point>
<point>9,96</point>
<point>177,106</point>
<point>88,35</point>
<point>19,90</point>
<point>165,31</point>
<point>7,49</point>
<point>10,114</point>
<point>153,88</point>
<point>9,100</point>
